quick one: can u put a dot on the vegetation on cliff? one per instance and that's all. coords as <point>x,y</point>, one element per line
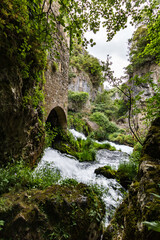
<point>23,61</point>
<point>81,60</point>
<point>107,114</point>
<point>69,210</point>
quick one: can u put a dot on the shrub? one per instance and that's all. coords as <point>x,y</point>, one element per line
<point>100,118</point>
<point>120,138</point>
<point>135,156</point>
<point>127,169</point>
<point>83,150</point>
<point>76,121</point>
<point>125,174</point>
<point>77,99</point>
<point>83,61</point>
<point>106,127</point>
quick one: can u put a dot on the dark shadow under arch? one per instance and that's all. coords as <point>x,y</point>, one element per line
<point>57,118</point>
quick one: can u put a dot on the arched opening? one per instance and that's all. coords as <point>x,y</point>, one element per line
<point>56,126</point>
<point>57,118</point>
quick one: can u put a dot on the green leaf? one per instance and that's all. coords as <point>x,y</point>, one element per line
<point>156,195</point>
<point>155,225</point>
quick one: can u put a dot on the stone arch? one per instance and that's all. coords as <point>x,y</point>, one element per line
<point>57,118</point>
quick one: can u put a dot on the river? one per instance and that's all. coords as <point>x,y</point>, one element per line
<point>83,172</point>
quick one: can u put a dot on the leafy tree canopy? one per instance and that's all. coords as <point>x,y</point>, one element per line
<point>78,17</point>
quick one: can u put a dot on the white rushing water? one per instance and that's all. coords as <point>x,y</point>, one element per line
<point>122,148</point>
<point>84,172</point>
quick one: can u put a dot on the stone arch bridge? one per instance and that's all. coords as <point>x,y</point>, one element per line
<point>56,87</point>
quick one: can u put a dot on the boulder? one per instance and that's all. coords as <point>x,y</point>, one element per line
<point>58,212</point>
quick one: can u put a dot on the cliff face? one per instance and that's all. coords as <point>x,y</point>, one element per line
<point>21,133</point>
<point>141,205</point>
<point>79,81</point>
<point>21,66</point>
<point>154,69</point>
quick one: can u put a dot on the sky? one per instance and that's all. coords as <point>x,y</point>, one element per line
<point>117,48</point>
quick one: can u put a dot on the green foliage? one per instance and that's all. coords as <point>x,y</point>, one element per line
<point>83,150</point>
<point>45,176</point>
<point>78,99</point>
<point>125,174</point>
<point>69,182</point>
<point>22,37</point>
<point>78,17</point>
<point>59,233</point>
<point>144,46</point>
<point>121,138</point>
<point>152,110</point>
<point>23,43</point>
<point>17,176</point>
<point>154,225</point>
<point>113,109</point>
<point>35,99</point>
<point>138,44</point>
<point>106,127</point>
<point>104,103</point>
<point>153,37</point>
<point>128,170</point>
<point>76,121</point>
<point>83,61</point>
<point>1,224</point>
<point>88,148</point>
<point>135,156</point>
<point>50,134</point>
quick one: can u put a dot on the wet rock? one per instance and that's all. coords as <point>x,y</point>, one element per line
<point>121,176</point>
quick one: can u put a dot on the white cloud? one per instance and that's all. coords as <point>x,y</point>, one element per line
<point>117,48</point>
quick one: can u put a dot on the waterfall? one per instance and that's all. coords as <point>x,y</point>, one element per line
<point>83,172</point>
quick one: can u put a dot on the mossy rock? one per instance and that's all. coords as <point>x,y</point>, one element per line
<point>141,203</point>
<point>121,176</point>
<point>152,141</point>
<point>58,212</point>
<point>106,171</point>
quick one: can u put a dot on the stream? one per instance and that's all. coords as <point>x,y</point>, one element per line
<point>83,172</point>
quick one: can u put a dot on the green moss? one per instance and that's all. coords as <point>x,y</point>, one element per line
<point>106,171</point>
<point>124,175</point>
<point>62,212</point>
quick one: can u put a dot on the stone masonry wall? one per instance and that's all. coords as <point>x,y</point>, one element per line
<point>56,86</point>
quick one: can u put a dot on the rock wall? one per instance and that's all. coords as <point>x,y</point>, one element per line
<point>79,81</point>
<point>154,69</point>
<point>140,204</point>
<point>21,117</point>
